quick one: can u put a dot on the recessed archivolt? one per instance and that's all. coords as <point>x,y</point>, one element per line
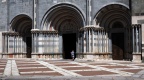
<point>111,13</point>
<point>63,16</point>
<point>22,24</point>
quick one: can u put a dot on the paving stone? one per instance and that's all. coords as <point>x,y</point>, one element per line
<point>35,69</point>
<point>136,76</point>
<point>47,74</point>
<point>142,76</point>
<point>119,78</point>
<point>72,70</point>
<point>93,73</point>
<point>133,70</point>
<point>137,79</point>
<point>77,68</point>
<point>115,66</point>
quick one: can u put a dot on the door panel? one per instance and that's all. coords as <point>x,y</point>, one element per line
<point>117,46</point>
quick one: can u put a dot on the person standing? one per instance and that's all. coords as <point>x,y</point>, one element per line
<point>72,55</point>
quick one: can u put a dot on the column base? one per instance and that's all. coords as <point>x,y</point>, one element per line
<point>137,57</point>
<point>142,57</point>
<point>46,56</point>
<point>13,55</point>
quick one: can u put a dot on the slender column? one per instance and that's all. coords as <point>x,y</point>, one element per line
<point>8,44</point>
<point>110,43</point>
<point>133,39</point>
<point>98,41</point>
<point>82,43</point>
<point>32,43</point>
<point>3,43</point>
<point>86,41</point>
<point>88,7</point>
<point>20,44</point>
<point>44,43</point>
<point>88,46</point>
<point>89,49</point>
<point>34,14</point>
<point>17,44</point>
<point>60,43</point>
<point>93,40</point>
<point>14,44</point>
<point>137,39</point>
<point>107,43</point>
<point>37,42</point>
<point>102,40</point>
<point>57,43</point>
<point>47,43</point>
<point>101,35</point>
<point>53,43</point>
<point>35,36</point>
<point>23,45</point>
<point>140,38</point>
<point>6,48</point>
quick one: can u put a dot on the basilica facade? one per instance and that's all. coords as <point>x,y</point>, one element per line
<point>51,29</point>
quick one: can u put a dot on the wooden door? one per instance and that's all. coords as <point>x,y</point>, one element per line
<point>117,46</point>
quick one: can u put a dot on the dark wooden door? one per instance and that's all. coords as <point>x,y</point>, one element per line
<point>69,44</point>
<point>117,46</point>
<point>29,46</point>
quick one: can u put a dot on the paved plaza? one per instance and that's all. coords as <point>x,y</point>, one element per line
<point>41,69</point>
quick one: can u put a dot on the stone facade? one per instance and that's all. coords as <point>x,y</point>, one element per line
<point>94,29</point>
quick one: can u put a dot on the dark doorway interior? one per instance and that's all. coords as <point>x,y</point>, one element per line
<point>29,46</point>
<point>118,46</point>
<point>69,44</point>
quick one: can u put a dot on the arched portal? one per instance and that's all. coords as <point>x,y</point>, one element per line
<point>116,20</point>
<point>67,20</point>
<point>21,27</point>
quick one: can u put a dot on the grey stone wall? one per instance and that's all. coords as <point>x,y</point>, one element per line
<point>3,16</point>
<point>17,7</point>
<point>137,7</point>
<point>98,4</point>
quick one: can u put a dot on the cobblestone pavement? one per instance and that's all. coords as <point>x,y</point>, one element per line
<point>12,69</point>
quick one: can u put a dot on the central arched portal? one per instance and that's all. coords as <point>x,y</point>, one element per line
<point>67,19</point>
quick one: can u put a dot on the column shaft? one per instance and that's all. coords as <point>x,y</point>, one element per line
<point>140,39</point>
<point>133,38</point>
<point>137,46</point>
